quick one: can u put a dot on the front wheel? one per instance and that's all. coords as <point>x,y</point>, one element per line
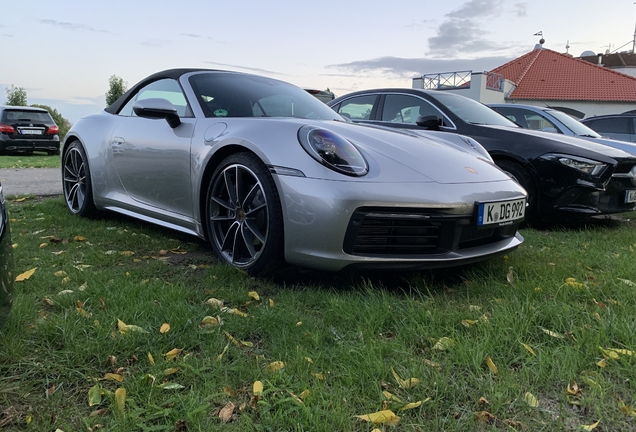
<point>244,216</point>
<point>76,181</point>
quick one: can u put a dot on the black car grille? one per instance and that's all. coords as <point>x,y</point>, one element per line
<point>382,232</point>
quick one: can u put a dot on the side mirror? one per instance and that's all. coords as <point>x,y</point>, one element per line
<point>430,122</point>
<point>157,108</point>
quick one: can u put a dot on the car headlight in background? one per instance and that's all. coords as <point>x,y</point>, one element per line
<point>333,151</point>
<point>587,166</point>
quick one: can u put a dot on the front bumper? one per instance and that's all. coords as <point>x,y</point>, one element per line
<point>566,193</point>
<point>331,225</point>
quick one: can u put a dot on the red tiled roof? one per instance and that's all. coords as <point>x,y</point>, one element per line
<point>549,75</point>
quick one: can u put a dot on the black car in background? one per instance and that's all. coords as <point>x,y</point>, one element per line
<point>565,177</point>
<point>617,126</point>
<point>6,262</point>
<point>27,129</point>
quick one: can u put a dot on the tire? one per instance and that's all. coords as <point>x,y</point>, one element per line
<point>244,219</point>
<point>523,177</point>
<point>76,181</point>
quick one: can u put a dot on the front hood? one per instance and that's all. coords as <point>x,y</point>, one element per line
<point>626,146</point>
<point>559,143</point>
<point>436,160</point>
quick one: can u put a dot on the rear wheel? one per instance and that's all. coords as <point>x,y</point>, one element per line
<point>76,181</point>
<point>244,216</point>
<point>523,177</point>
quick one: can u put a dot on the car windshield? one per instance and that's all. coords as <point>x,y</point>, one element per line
<point>26,116</point>
<point>471,111</point>
<point>574,125</point>
<point>226,94</point>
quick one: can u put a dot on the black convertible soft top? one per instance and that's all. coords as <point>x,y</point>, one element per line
<point>169,73</point>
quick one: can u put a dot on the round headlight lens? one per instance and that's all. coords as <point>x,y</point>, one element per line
<point>333,151</point>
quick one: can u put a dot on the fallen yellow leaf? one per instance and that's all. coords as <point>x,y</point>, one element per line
<point>209,321</point>
<point>232,338</point>
<point>215,302</point>
<point>165,328</point>
<point>26,275</point>
<point>381,417</point>
<point>531,400</point>
<point>601,363</point>
<point>304,394</point>
<point>220,356</point>
<point>491,365</point>
<point>275,366</point>
<point>254,295</point>
<point>114,377</point>
<point>467,323</point>
<point>553,334</point>
<point>443,344</point>
<point>257,388</point>
<point>391,397</point>
<point>43,245</point>
<point>320,376</point>
<point>151,359</point>
<point>60,273</point>
<point>172,353</point>
<point>309,359</point>
<point>94,395</point>
<point>79,238</point>
<point>170,371</point>
<point>271,303</point>
<point>572,388</point>
<point>233,311</point>
<point>626,408</point>
<point>413,405</point>
<point>590,427</point>
<point>405,383</point>
<point>120,399</point>
<point>529,349</point>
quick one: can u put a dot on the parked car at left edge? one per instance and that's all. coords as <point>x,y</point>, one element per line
<point>6,262</point>
<point>27,129</point>
<point>552,120</point>
<point>565,177</point>
<point>270,175</point>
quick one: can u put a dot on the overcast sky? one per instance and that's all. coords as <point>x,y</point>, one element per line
<point>63,52</point>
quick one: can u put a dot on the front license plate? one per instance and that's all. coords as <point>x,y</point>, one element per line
<point>31,132</point>
<point>630,196</point>
<point>500,212</point>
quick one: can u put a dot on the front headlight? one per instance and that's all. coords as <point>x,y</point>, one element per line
<point>333,151</point>
<point>587,166</point>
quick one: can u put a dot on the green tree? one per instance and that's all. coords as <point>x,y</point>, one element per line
<point>16,96</point>
<point>60,121</point>
<point>116,87</point>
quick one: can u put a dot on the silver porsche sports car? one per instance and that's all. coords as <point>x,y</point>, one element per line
<point>270,175</point>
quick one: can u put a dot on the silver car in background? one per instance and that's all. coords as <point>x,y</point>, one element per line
<point>269,175</point>
<point>551,120</point>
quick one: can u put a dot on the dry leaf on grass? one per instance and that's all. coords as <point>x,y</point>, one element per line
<point>26,275</point>
<point>226,412</point>
<point>381,417</point>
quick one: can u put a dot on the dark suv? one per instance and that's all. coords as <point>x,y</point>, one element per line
<point>25,129</point>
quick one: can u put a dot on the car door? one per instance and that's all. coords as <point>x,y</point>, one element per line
<point>152,159</point>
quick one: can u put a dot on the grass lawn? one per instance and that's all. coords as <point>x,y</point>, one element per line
<point>35,160</point>
<point>120,328</point>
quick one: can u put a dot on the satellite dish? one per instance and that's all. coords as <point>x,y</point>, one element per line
<point>588,53</point>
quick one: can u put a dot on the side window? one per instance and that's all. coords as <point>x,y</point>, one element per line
<point>406,109</point>
<point>357,108</point>
<point>528,119</point>
<point>615,125</point>
<point>167,89</point>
